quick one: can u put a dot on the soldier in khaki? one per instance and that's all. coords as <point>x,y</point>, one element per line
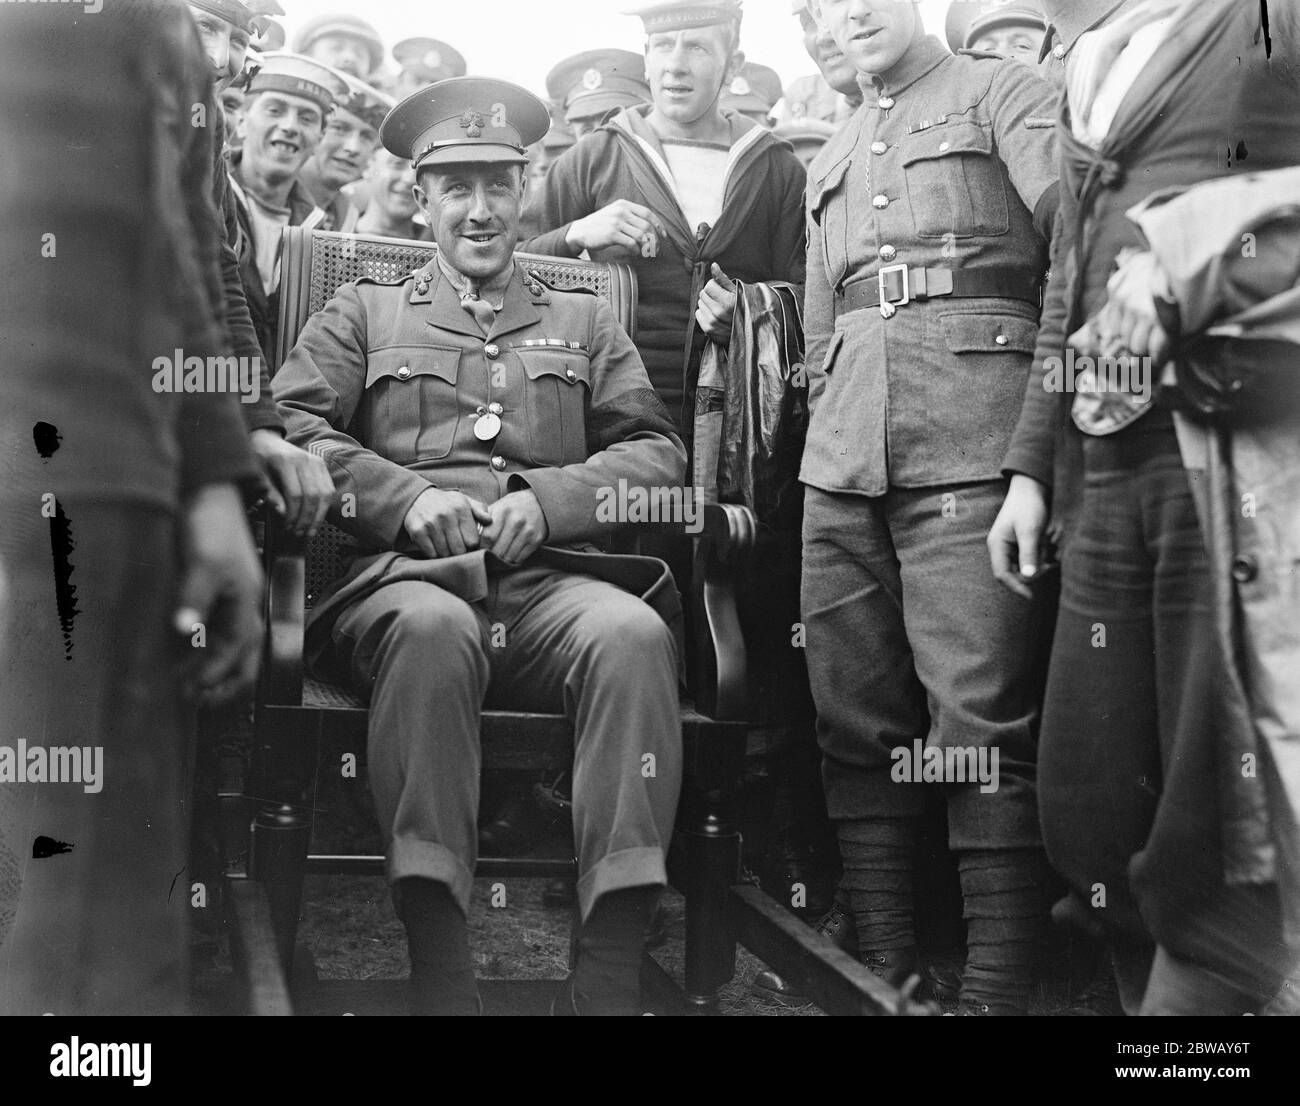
<point>479,419</point>
<point>928,218</point>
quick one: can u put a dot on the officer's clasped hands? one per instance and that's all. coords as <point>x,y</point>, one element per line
<point>445,523</point>
<point>448,524</point>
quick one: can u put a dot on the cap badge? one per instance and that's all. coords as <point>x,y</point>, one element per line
<point>740,87</point>
<point>592,80</point>
<point>472,124</point>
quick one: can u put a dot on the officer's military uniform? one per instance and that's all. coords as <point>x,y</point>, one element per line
<point>400,388</point>
<point>937,198</point>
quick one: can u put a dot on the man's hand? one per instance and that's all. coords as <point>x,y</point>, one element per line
<point>717,305</point>
<point>301,487</point>
<point>624,229</point>
<point>445,524</point>
<point>1128,323</point>
<point>221,593</point>
<point>518,527</point>
<point>1016,539</point>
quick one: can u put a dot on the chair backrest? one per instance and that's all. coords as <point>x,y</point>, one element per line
<point>316,263</point>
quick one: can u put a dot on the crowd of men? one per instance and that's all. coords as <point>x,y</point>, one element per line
<point>1036,593</point>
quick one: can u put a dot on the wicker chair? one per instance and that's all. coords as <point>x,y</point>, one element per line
<point>302,727</point>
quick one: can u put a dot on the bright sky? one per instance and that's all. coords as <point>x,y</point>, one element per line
<point>521,39</point>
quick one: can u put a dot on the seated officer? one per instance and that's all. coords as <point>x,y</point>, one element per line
<point>471,417</point>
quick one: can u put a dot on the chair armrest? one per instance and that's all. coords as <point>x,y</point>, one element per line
<point>719,677</point>
<point>285,564</point>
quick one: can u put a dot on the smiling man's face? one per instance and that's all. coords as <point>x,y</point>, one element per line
<point>345,149</point>
<point>473,208</point>
<point>872,34</point>
<point>837,71</point>
<point>280,132</point>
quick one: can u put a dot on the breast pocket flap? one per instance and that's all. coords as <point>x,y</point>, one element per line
<point>946,141</point>
<point>571,367</point>
<point>403,364</point>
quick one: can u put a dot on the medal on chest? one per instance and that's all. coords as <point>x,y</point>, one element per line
<point>488,424</point>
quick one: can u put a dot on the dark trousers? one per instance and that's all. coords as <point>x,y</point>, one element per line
<point>910,637</point>
<point>1130,710</point>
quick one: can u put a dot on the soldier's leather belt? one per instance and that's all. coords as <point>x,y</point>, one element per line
<point>897,285</point>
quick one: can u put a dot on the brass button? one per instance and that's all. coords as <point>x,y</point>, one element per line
<point>570,375</point>
<point>492,351</point>
<point>888,253</point>
<point>885,103</point>
<point>878,147</point>
<point>498,463</point>
<point>403,373</point>
<point>1002,339</point>
<point>496,408</point>
<point>880,202</point>
<point>944,147</point>
<point>1058,51</point>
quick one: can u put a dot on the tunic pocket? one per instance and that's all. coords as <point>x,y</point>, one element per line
<point>956,184</point>
<point>828,211</point>
<point>411,394</point>
<point>556,394</point>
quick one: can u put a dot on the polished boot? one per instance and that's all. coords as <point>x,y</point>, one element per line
<point>838,927</point>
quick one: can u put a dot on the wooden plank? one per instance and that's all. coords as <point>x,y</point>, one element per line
<point>813,965</point>
<point>256,956</point>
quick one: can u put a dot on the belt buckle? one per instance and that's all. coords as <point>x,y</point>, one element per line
<point>889,308</point>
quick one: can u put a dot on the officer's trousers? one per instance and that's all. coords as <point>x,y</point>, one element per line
<point>910,638</point>
<point>542,640</point>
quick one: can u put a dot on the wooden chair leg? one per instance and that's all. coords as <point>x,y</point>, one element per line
<point>281,835</point>
<point>711,864</point>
